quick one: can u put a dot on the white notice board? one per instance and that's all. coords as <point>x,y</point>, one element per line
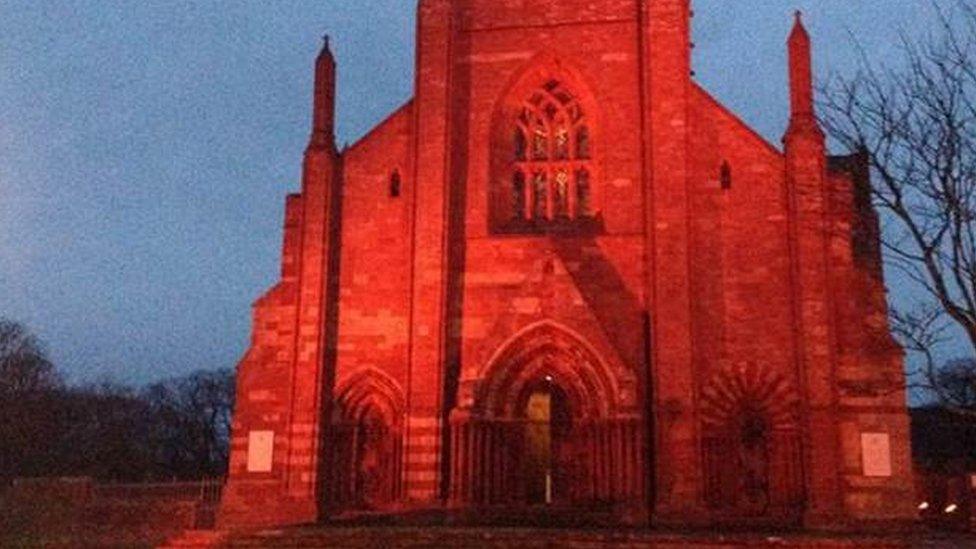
<point>260,451</point>
<point>876,454</point>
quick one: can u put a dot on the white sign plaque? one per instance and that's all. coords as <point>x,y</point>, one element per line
<point>260,451</point>
<point>876,454</point>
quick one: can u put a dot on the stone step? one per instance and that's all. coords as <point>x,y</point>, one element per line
<point>196,538</point>
<point>364,537</point>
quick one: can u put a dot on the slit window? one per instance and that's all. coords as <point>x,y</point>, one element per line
<point>395,184</point>
<point>725,176</point>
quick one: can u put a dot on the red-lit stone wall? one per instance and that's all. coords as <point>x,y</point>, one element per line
<point>374,283</point>
<point>722,280</point>
<point>582,282</point>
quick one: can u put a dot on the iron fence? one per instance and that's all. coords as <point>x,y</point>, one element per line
<point>205,491</point>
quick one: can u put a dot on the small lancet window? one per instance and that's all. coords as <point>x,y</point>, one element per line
<point>583,204</point>
<point>520,145</point>
<point>395,184</point>
<point>562,143</point>
<point>540,199</point>
<point>518,195</point>
<point>725,176</point>
<point>561,197</point>
<point>583,143</point>
<point>540,144</point>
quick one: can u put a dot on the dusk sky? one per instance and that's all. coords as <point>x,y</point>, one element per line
<point>146,149</point>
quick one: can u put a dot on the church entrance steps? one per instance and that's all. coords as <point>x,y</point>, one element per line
<point>513,516</point>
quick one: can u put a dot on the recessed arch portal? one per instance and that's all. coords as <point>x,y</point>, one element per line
<point>752,444</point>
<point>548,419</point>
<point>541,350</point>
<point>366,444</point>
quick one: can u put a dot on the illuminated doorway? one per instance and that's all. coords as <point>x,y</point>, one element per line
<point>548,424</point>
<point>546,427</point>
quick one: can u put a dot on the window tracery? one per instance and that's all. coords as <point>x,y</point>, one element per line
<point>551,172</point>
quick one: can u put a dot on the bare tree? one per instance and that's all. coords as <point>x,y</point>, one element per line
<point>190,419</point>
<point>178,428</point>
<point>957,381</point>
<point>104,431</point>
<point>28,382</point>
<point>24,366</point>
<point>917,125</point>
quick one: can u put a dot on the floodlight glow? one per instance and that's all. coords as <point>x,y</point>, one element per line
<point>923,506</point>
<point>952,508</point>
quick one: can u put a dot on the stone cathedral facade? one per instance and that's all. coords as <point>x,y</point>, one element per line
<point>563,278</point>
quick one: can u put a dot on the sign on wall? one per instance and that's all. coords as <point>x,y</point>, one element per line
<point>876,454</point>
<point>260,451</point>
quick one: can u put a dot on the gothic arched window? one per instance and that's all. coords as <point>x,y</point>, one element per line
<point>551,172</point>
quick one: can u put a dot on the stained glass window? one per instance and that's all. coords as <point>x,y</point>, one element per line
<point>583,143</point>
<point>583,204</point>
<point>561,195</point>
<point>540,144</point>
<point>540,192</point>
<point>552,143</point>
<point>518,195</point>
<point>562,143</point>
<point>520,145</point>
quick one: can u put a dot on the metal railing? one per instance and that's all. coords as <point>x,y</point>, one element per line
<point>206,491</point>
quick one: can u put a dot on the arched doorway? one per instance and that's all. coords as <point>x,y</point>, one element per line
<point>376,463</point>
<point>752,446</point>
<point>365,445</point>
<point>547,428</point>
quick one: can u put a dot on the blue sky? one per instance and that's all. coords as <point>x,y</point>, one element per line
<point>146,149</point>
